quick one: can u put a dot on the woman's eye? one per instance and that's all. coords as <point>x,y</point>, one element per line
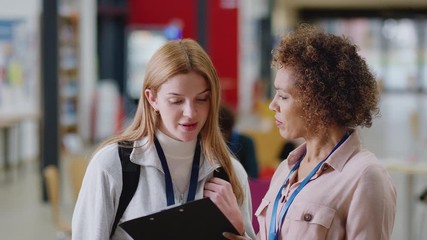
<point>281,96</point>
<point>202,99</point>
<point>175,101</point>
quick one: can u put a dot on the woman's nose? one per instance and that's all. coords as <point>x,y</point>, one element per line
<point>189,110</point>
<point>272,106</point>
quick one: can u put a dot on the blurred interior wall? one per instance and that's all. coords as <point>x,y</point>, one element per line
<point>284,12</point>
<point>26,131</point>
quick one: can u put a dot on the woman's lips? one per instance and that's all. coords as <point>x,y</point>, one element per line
<point>189,126</point>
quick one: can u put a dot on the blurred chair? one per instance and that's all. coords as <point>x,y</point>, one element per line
<point>76,170</point>
<point>51,175</point>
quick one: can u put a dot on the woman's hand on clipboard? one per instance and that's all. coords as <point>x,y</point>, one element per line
<point>221,193</point>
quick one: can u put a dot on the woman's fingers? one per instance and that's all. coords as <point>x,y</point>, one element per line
<point>221,193</point>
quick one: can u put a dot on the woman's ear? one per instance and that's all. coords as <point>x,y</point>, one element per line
<point>151,97</point>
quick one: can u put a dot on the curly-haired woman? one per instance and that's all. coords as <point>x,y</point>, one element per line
<point>330,187</point>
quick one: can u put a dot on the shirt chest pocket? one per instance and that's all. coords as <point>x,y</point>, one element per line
<point>308,221</point>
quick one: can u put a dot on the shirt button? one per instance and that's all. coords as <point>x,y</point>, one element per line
<point>308,217</point>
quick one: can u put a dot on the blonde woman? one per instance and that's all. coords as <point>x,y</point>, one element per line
<point>176,115</point>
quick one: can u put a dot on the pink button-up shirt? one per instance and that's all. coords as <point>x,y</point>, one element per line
<point>350,197</point>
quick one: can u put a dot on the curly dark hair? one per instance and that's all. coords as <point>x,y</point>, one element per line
<point>332,81</point>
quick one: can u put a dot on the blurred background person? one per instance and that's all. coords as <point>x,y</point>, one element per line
<point>240,144</point>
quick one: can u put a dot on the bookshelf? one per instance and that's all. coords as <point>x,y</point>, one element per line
<point>68,71</point>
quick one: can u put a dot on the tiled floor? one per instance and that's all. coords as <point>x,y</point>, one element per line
<point>400,135</point>
<point>23,214</point>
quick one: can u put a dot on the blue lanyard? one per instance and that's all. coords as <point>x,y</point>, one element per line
<point>276,227</point>
<point>168,178</point>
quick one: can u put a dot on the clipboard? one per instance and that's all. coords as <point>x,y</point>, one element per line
<point>199,219</point>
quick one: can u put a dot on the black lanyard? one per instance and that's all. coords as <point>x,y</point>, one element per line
<point>168,178</point>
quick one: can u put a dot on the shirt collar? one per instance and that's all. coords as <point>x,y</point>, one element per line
<point>338,159</point>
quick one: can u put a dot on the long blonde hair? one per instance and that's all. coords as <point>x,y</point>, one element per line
<point>180,57</point>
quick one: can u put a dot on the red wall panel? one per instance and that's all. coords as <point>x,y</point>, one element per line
<point>162,12</point>
<point>221,32</point>
<point>223,46</point>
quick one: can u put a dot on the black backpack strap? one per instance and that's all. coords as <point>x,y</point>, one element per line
<point>130,176</point>
<point>220,173</point>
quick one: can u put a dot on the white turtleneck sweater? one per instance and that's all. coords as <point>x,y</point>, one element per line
<point>179,156</point>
